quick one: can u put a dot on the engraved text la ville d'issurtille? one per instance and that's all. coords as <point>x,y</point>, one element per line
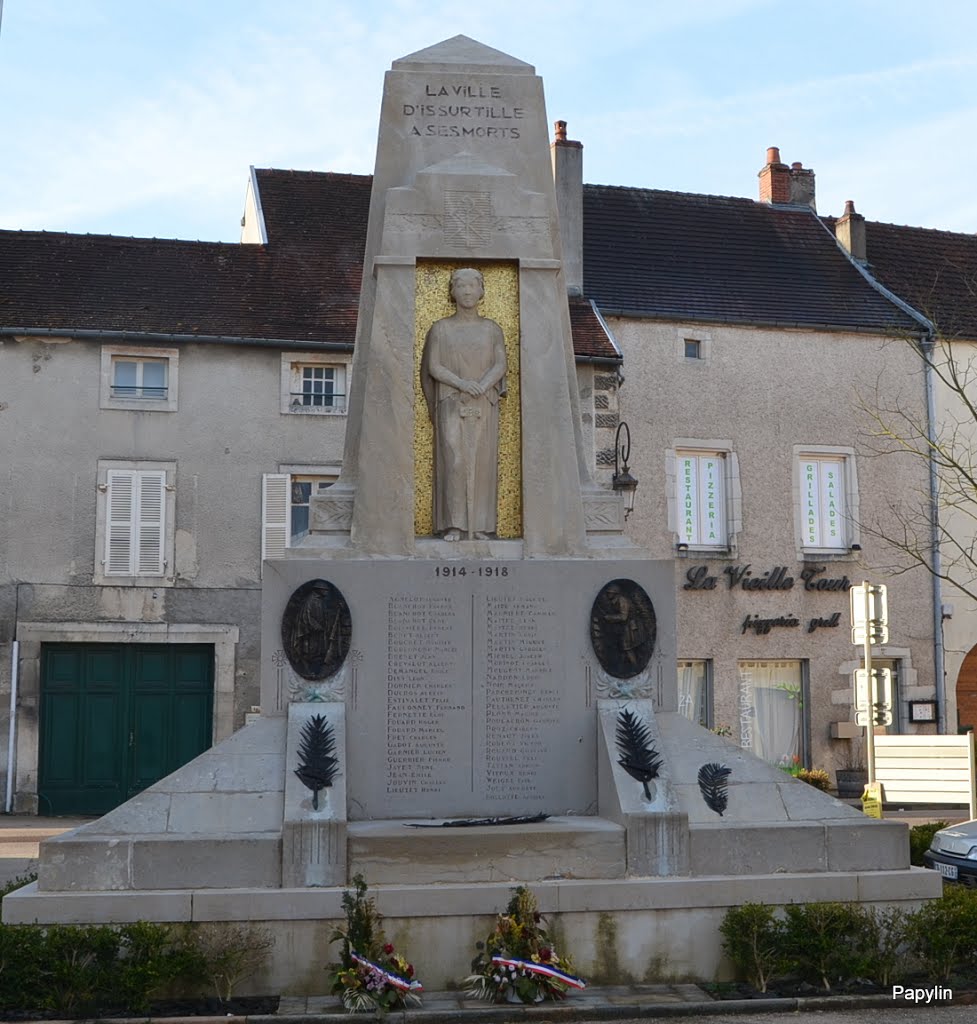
<point>457,109</point>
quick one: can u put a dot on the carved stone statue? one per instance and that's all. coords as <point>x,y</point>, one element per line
<point>463,375</point>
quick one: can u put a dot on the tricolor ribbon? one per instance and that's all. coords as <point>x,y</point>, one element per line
<point>391,979</point>
<point>544,969</point>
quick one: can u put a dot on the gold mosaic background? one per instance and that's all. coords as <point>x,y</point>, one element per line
<point>501,304</point>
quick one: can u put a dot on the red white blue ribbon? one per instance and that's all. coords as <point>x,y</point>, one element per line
<point>532,967</point>
<point>391,979</point>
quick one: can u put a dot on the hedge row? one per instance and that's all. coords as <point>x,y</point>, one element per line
<point>832,944</point>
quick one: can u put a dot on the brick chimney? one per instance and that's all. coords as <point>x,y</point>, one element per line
<point>774,179</point>
<point>779,183</point>
<point>567,159</point>
<point>850,232</point>
<point>802,186</point>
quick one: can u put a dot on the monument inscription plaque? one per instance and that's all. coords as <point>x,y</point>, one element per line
<point>475,693</point>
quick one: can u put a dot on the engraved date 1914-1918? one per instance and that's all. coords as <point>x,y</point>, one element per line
<point>461,570</point>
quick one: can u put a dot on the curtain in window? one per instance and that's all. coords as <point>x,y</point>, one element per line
<point>770,705</point>
<point>692,691</point>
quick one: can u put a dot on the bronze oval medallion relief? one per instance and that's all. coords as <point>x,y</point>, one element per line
<point>316,630</point>
<point>623,628</point>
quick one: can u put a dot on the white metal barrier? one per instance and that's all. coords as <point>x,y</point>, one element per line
<point>927,770</point>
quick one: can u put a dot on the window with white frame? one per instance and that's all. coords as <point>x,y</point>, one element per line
<point>695,691</point>
<point>825,484</point>
<point>701,499</point>
<point>771,710</point>
<point>313,383</point>
<point>139,379</point>
<point>135,528</point>
<point>285,499</point>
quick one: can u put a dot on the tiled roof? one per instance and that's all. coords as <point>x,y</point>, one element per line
<point>150,285</point>
<point>304,208</point>
<point>590,338</point>
<point>311,208</point>
<point>934,271</point>
<point>303,286</point>
<point>648,253</point>
<point>689,257</point>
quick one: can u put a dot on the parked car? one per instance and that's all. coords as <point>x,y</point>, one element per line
<point>953,852</point>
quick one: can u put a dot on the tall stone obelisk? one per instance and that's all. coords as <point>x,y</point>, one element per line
<point>479,639</point>
<point>462,175</point>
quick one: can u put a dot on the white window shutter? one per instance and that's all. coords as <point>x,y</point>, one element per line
<point>275,514</point>
<point>151,524</point>
<point>120,507</point>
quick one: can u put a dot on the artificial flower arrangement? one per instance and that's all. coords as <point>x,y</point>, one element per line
<point>371,974</point>
<point>517,962</point>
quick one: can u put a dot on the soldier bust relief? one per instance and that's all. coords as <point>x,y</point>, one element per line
<point>463,376</point>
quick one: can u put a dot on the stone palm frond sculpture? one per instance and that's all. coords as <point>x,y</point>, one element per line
<point>638,757</point>
<point>318,765</point>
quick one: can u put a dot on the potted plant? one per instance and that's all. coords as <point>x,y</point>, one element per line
<point>852,776</point>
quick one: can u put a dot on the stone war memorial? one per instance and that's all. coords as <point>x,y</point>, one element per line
<point>470,625</point>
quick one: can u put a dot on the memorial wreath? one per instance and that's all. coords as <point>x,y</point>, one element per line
<point>517,962</point>
<point>371,974</point>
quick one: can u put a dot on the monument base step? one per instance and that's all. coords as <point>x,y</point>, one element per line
<point>616,929</point>
<point>387,852</point>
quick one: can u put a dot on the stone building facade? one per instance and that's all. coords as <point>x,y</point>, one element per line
<point>170,407</point>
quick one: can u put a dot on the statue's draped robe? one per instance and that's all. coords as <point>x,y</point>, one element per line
<point>466,427</point>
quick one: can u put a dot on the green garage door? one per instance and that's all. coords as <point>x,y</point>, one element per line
<point>115,718</point>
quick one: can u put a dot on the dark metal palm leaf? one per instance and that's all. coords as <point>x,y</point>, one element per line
<point>638,757</point>
<point>712,785</point>
<point>317,764</point>
<point>510,819</point>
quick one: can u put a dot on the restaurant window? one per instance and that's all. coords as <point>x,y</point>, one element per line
<point>771,710</point>
<point>695,691</point>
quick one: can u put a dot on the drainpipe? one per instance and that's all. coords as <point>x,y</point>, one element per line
<point>12,736</point>
<point>928,344</point>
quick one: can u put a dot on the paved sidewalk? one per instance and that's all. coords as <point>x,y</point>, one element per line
<point>606,1002</point>
<point>20,835</point>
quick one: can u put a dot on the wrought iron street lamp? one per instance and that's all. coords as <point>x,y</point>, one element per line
<point>623,481</point>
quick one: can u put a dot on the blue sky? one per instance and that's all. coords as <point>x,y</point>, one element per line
<point>142,118</point>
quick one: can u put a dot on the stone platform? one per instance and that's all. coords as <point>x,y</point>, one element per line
<point>386,852</point>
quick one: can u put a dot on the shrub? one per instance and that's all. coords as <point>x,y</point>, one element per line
<point>17,883</point>
<point>920,837</point>
<point>153,957</point>
<point>754,940</point>
<point>231,953</point>
<point>943,933</point>
<point>76,968</point>
<point>88,969</point>
<point>816,777</point>
<point>826,941</point>
<point>21,948</point>
<point>884,943</point>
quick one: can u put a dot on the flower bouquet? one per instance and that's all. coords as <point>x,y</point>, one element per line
<point>517,962</point>
<point>371,974</point>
